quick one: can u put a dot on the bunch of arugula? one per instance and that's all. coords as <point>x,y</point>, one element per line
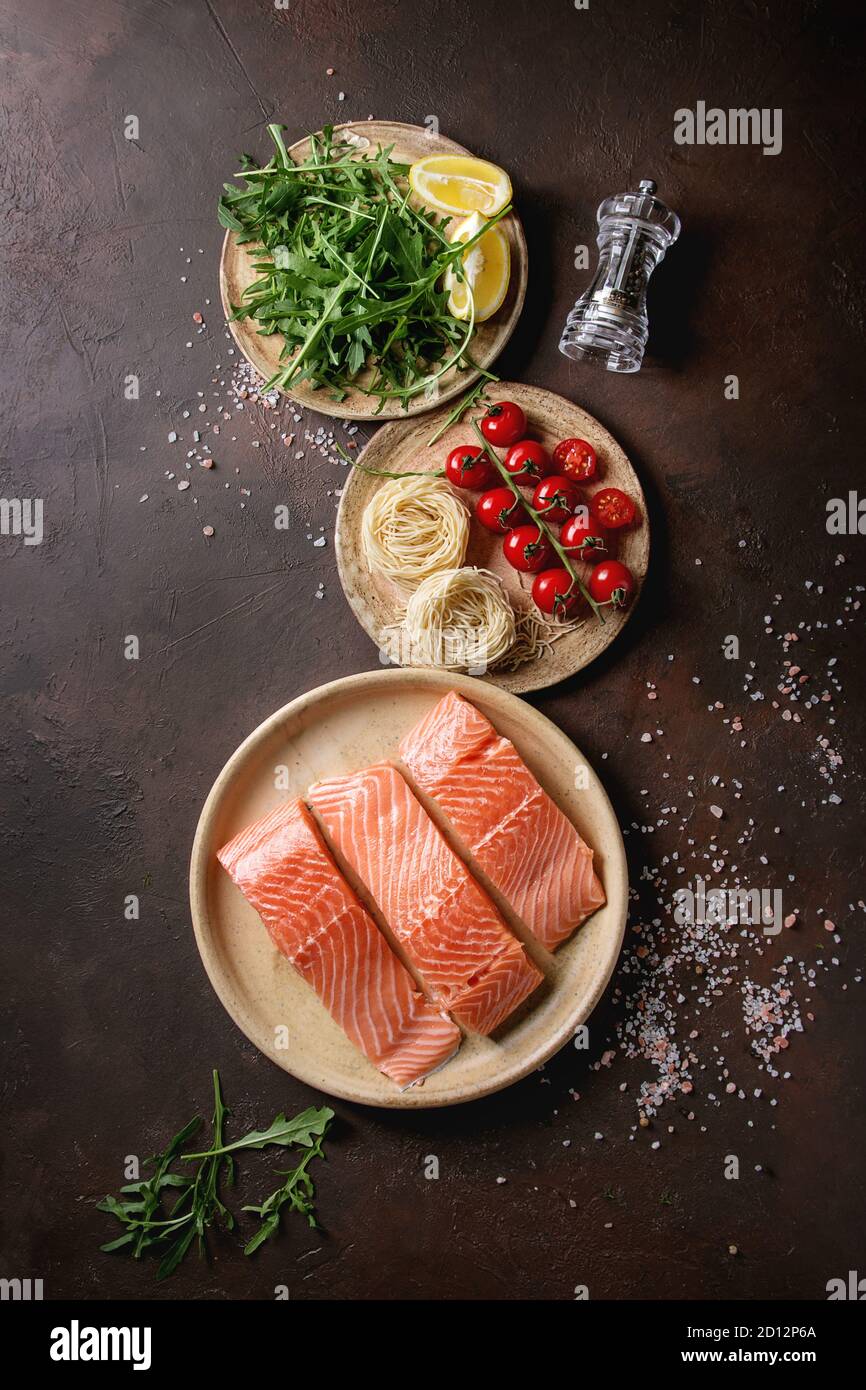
<point>197,1205</point>
<point>348,271</point>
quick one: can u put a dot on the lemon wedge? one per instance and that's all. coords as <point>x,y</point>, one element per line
<point>486,267</point>
<point>459,183</point>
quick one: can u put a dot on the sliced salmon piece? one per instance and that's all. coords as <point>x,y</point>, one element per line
<point>284,869</point>
<point>450,930</point>
<point>516,834</point>
<point>498,990</point>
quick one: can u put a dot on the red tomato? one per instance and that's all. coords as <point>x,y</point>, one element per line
<point>582,538</point>
<point>613,508</point>
<point>503,424</point>
<point>576,459</point>
<point>527,461</point>
<point>610,582</point>
<point>499,510</point>
<point>527,549</point>
<point>468,466</point>
<point>554,592</point>
<point>556,497</point>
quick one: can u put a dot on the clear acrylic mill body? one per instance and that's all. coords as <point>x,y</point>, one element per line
<point>608,324</point>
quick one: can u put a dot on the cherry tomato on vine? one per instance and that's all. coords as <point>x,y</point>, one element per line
<point>527,461</point>
<point>556,497</point>
<point>499,510</point>
<point>527,549</point>
<point>503,424</point>
<point>611,582</point>
<point>468,466</point>
<point>576,459</point>
<point>582,538</point>
<point>613,508</point>
<point>554,592</point>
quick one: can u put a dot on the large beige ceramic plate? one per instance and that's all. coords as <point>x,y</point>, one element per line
<point>337,729</point>
<point>410,143</point>
<point>402,447</point>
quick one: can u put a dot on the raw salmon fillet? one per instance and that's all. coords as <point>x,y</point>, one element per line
<point>449,928</point>
<point>517,835</point>
<point>283,868</point>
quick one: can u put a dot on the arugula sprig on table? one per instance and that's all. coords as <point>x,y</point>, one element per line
<point>348,271</point>
<point>297,1192</point>
<point>197,1206</point>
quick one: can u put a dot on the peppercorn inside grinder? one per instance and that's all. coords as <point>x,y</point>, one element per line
<point>609,324</point>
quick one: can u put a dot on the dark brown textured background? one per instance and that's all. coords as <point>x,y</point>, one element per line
<point>111,1028</point>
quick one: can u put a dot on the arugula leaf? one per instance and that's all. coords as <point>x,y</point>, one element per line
<point>302,1129</point>
<point>337,220</point>
<point>297,1192</point>
<point>198,1205</point>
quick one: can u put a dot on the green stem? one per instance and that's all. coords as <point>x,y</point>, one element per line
<point>382,472</point>
<point>463,405</point>
<point>542,525</point>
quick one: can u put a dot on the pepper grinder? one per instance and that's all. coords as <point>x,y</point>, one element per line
<point>609,324</point>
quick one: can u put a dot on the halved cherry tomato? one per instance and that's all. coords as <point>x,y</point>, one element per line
<point>611,582</point>
<point>556,497</point>
<point>527,461</point>
<point>613,508</point>
<point>527,549</point>
<point>469,466</point>
<point>499,510</point>
<point>503,424</point>
<point>576,459</point>
<point>554,592</point>
<point>581,537</point>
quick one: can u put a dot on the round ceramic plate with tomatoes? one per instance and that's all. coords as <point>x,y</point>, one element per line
<point>558,444</point>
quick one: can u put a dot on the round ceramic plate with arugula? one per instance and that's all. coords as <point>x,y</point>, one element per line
<point>333,274</point>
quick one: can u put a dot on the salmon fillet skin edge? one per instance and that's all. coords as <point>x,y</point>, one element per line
<point>516,834</point>
<point>283,868</point>
<point>451,931</point>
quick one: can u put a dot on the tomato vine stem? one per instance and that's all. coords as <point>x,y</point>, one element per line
<point>543,526</point>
